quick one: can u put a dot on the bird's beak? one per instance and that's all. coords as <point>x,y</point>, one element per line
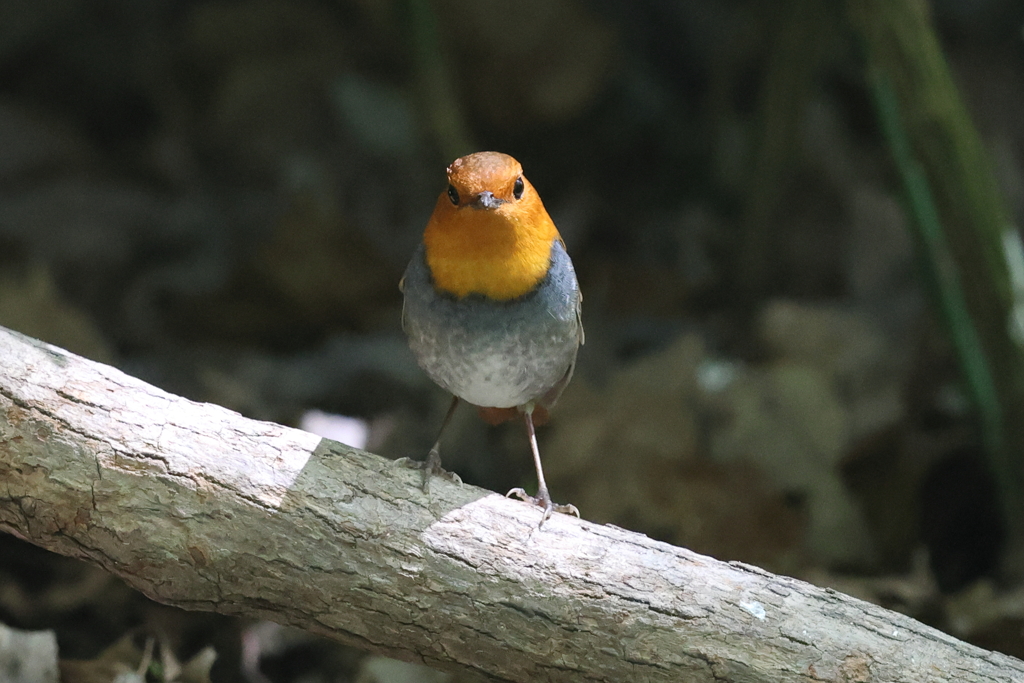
<point>486,200</point>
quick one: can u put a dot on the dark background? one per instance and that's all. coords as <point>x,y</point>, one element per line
<point>220,197</point>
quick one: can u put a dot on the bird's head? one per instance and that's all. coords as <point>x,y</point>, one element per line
<point>490,233</point>
<point>487,181</point>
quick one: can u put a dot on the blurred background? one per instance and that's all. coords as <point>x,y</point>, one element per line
<point>801,350</point>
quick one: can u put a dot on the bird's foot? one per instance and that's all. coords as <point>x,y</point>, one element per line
<point>543,501</point>
<point>431,468</point>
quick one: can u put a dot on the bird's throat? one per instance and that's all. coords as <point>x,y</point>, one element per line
<point>484,252</point>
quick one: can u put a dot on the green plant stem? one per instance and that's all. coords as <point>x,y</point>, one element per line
<point>959,219</point>
<point>437,93</point>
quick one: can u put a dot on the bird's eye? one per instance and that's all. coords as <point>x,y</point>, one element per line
<point>517,189</point>
<point>453,195</point>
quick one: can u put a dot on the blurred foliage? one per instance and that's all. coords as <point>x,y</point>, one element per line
<point>960,220</point>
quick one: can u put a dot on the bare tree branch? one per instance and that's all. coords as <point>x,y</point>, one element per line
<point>199,507</point>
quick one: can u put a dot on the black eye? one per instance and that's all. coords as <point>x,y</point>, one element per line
<point>517,189</point>
<point>453,195</point>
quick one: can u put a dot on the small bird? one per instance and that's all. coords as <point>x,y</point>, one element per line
<point>492,305</point>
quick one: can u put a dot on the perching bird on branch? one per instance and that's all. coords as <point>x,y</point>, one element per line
<point>492,305</point>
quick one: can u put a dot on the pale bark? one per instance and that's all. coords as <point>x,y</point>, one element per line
<point>199,507</point>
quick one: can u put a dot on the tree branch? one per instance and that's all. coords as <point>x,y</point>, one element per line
<point>199,507</point>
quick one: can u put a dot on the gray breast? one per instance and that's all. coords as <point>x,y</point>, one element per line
<point>495,354</point>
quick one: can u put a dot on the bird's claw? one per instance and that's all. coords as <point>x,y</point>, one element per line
<point>543,501</point>
<point>431,467</point>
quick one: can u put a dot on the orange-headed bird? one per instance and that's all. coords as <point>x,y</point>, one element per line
<point>492,305</point>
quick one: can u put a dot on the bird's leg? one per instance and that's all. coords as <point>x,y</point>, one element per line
<point>543,498</point>
<point>432,465</point>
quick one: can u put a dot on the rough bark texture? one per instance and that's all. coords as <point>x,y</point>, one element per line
<point>199,507</point>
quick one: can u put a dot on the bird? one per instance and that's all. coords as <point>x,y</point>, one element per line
<point>492,306</point>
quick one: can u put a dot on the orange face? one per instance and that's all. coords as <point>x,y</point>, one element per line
<point>489,233</point>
